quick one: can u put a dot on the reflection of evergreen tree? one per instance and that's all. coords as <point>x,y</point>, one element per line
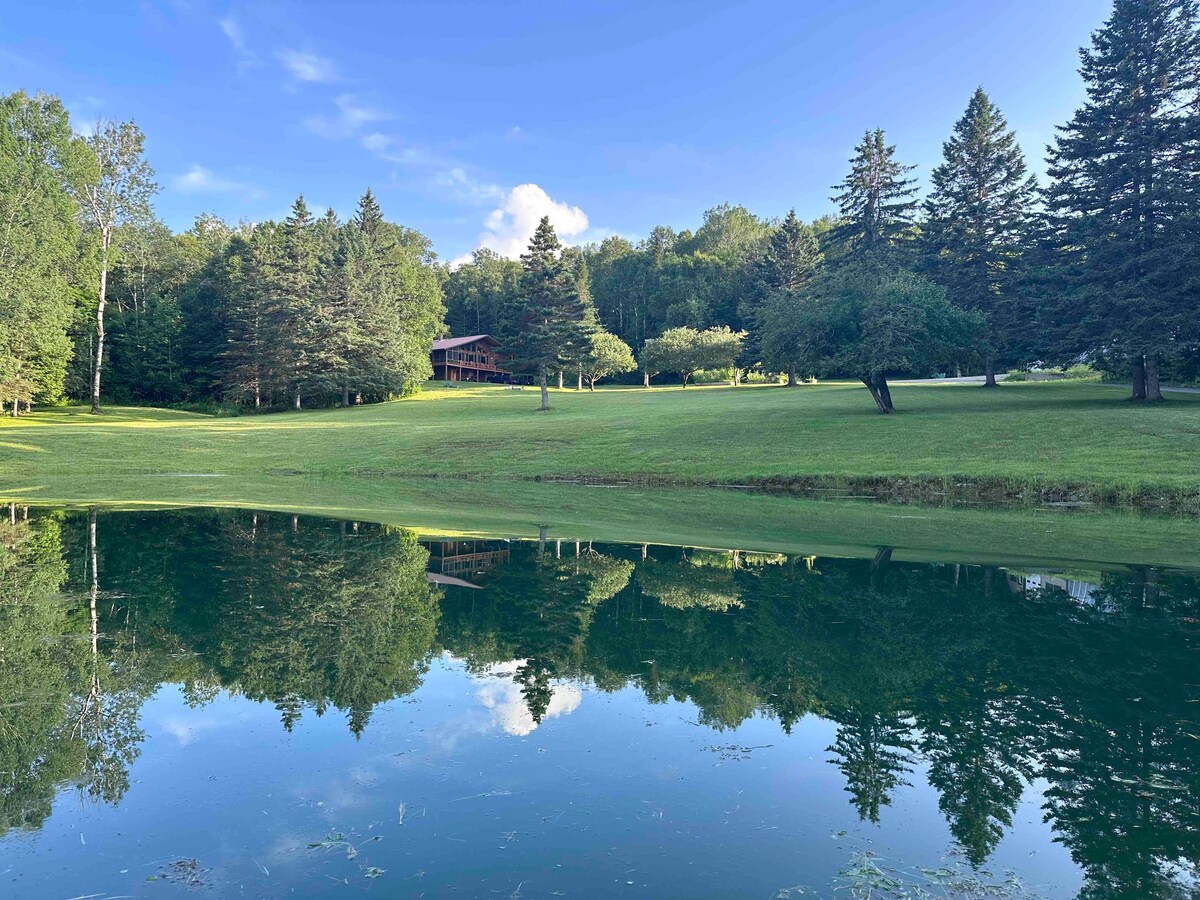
<point>308,615</point>
<point>977,765</point>
<point>874,752</point>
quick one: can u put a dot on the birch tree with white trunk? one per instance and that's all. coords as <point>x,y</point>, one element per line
<point>113,193</point>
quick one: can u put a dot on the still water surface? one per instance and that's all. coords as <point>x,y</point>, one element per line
<point>207,703</point>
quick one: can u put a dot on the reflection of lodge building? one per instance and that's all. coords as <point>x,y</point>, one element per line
<point>456,562</point>
<point>472,358</point>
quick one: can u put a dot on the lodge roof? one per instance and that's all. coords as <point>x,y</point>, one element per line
<point>450,343</point>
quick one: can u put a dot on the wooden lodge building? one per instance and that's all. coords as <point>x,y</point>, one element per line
<point>474,358</point>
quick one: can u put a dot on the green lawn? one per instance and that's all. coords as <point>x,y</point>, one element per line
<point>1043,434</point>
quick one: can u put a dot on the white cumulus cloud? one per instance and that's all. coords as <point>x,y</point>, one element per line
<point>509,226</point>
<point>306,66</point>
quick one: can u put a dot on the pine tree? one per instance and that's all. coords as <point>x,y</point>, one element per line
<point>546,322</point>
<point>299,319</point>
<point>369,216</point>
<point>876,202</point>
<point>977,218</point>
<point>1126,174</point>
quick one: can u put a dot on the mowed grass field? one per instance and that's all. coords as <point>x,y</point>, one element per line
<point>1037,434</point>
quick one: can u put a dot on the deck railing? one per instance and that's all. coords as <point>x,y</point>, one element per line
<point>478,360</point>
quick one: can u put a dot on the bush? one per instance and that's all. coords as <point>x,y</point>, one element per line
<point>712,376</point>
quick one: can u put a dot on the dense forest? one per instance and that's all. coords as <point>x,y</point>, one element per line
<point>987,270</point>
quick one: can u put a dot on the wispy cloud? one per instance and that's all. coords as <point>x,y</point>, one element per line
<point>464,187</point>
<point>199,180</point>
<point>304,65</point>
<point>351,117</point>
<point>236,35</point>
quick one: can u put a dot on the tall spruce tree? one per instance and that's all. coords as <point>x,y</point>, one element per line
<point>977,219</point>
<point>877,203</point>
<point>545,323</point>
<point>1126,177</point>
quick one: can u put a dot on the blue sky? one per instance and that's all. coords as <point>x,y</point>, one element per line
<point>471,120</point>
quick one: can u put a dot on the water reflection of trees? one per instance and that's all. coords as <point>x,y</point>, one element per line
<point>959,675</point>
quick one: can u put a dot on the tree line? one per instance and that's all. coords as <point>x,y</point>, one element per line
<point>990,270</point>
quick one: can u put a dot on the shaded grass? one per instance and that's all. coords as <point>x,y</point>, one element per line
<point>1027,434</point>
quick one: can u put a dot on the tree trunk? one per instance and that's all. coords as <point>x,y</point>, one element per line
<point>591,384</point>
<point>686,376</point>
<point>646,379</point>
<point>296,402</point>
<point>1153,388</point>
<point>989,378</point>
<point>579,385</point>
<point>791,382</point>
<point>98,362</point>
<point>886,393</point>
<point>560,379</point>
<point>345,394</point>
<point>737,376</point>
<point>1138,377</point>
<point>545,392</point>
<point>878,387</point>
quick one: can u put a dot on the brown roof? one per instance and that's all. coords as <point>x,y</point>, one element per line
<point>449,343</point>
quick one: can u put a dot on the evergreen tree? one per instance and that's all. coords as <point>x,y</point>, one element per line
<point>1126,174</point>
<point>546,322</point>
<point>369,216</point>
<point>877,203</point>
<point>977,219</point>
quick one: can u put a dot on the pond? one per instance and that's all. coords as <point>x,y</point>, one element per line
<point>236,703</point>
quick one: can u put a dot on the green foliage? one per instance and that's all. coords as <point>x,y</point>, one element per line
<point>871,325</point>
<point>977,219</point>
<point>606,355</point>
<point>546,323</point>
<point>1122,229</point>
<point>686,350</point>
<point>876,202</point>
<point>39,161</point>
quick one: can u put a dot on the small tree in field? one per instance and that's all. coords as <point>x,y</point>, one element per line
<point>685,350</point>
<point>874,326</point>
<point>606,355</point>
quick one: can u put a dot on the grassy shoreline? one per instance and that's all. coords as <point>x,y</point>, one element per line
<point>703,517</point>
<point>1029,444</point>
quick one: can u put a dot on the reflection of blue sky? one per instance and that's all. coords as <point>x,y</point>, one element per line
<point>608,787</point>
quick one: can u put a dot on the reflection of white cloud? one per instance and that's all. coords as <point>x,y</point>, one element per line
<point>189,730</point>
<point>501,696</point>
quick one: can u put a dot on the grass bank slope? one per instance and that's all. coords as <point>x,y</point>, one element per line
<point>1037,434</point>
<point>696,517</point>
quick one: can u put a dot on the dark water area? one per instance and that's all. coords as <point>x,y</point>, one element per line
<point>228,703</point>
